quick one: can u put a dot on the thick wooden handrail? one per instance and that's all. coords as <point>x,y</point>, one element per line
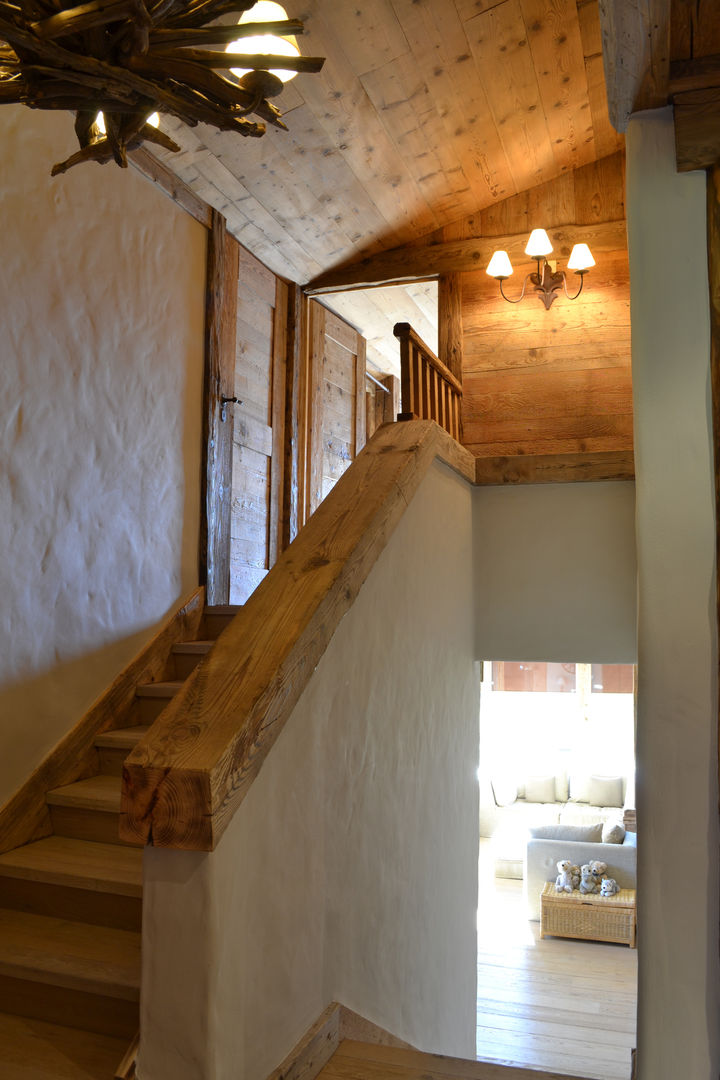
<point>429,390</point>
<point>185,779</point>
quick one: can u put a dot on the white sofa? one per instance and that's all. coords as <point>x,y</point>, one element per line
<point>546,845</point>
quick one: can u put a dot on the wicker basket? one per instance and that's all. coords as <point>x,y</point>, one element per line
<point>590,917</point>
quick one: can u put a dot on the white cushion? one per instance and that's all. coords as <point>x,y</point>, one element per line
<point>606,790</point>
<point>561,787</point>
<point>584,834</point>
<point>540,789</point>
<point>613,832</point>
<point>579,788</point>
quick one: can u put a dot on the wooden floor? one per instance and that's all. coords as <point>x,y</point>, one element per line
<point>565,1006</point>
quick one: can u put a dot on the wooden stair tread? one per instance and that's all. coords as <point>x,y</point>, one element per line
<point>193,647</point>
<point>36,1050</point>
<point>96,793</point>
<point>77,956</point>
<point>157,689</point>
<point>363,1061</point>
<point>222,609</point>
<point>60,860</point>
<point>122,738</point>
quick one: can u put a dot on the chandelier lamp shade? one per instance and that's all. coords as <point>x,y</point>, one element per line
<point>119,65</point>
<point>546,280</point>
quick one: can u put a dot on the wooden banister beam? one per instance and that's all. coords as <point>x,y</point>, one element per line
<point>183,781</point>
<point>456,256</point>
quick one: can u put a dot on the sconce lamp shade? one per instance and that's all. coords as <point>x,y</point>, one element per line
<point>268,44</point>
<point>500,265</point>
<point>538,244</point>
<point>580,258</point>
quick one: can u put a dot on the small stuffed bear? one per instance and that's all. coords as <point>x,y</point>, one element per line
<point>575,871</point>
<point>564,882</point>
<point>609,887</point>
<point>588,882</point>
<point>598,869</point>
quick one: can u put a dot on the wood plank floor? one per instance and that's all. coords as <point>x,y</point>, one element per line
<point>566,1006</point>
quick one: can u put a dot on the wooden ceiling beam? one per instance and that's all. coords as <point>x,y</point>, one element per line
<point>699,74</point>
<point>419,263</point>
<point>636,55</point>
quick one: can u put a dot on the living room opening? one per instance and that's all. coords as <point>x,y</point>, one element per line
<point>557,964</point>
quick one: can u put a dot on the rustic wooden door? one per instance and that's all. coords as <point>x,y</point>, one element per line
<point>336,401</point>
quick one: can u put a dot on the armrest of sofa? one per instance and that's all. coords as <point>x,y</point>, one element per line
<point>542,857</point>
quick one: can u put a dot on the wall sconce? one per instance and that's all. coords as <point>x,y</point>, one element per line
<point>546,281</point>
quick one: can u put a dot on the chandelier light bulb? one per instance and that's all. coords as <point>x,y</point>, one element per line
<point>580,258</point>
<point>500,265</point>
<point>539,244</point>
<point>153,120</point>
<point>268,44</point>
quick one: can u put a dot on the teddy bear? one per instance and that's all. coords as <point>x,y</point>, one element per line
<point>575,871</point>
<point>588,882</point>
<point>598,870</point>
<point>564,881</point>
<point>609,887</point>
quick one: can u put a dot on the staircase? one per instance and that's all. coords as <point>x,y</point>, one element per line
<point>71,908</point>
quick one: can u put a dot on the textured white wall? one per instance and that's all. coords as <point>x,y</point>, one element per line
<point>101,345</point>
<point>677,797</point>
<point>555,572</point>
<point>350,871</point>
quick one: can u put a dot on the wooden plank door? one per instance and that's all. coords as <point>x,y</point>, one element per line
<point>336,401</point>
<point>259,419</point>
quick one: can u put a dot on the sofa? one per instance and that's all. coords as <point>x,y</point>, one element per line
<point>548,844</point>
<point>508,810</point>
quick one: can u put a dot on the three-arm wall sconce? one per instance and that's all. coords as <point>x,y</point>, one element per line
<point>547,280</point>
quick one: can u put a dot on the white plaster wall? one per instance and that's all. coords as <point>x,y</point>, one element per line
<point>679,974</point>
<point>101,350</point>
<point>555,572</point>
<point>350,871</point>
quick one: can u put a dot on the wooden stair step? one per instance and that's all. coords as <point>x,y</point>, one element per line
<point>216,618</point>
<point>87,810</point>
<point>363,1061</point>
<point>95,793</point>
<point>75,956</point>
<point>186,656</point>
<point>35,1050</point>
<point>151,699</point>
<point>80,864</point>
<point>114,746</point>
<point>75,879</point>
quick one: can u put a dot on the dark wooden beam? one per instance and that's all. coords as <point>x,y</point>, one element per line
<point>700,74</point>
<point>220,328</point>
<point>456,256</point>
<point>697,129</point>
<point>636,55</point>
<point>713,227</point>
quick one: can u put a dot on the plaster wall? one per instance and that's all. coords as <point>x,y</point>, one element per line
<point>677,798</point>
<point>555,572</point>
<point>101,343</point>
<point>350,871</point>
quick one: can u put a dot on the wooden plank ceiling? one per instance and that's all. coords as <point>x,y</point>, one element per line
<point>426,111</point>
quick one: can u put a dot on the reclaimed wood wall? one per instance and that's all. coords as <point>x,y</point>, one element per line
<point>259,418</point>
<point>555,382</point>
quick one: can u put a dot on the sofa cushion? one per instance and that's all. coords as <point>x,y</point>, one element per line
<point>588,834</point>
<point>540,789</point>
<point>613,832</point>
<point>606,790</point>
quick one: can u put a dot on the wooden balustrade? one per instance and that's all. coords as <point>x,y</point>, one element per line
<point>429,389</point>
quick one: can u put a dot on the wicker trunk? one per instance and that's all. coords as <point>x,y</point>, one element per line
<point>592,917</point>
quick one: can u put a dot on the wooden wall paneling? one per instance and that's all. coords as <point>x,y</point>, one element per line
<point>277,460</point>
<point>697,129</point>
<point>600,191</point>
<point>223,256</point>
<point>556,468</point>
<point>315,399</point>
<point>450,323</point>
<point>294,442</point>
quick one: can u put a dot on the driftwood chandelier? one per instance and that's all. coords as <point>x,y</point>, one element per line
<point>116,63</point>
